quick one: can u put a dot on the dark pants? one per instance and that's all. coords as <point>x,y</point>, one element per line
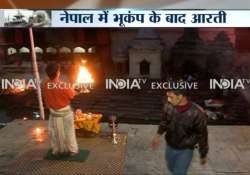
<point>178,161</point>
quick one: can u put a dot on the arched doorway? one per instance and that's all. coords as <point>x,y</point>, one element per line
<point>144,67</point>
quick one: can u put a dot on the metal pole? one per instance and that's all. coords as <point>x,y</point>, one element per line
<point>36,72</point>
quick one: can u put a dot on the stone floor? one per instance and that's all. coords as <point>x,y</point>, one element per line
<point>229,149</point>
<point>229,152</point>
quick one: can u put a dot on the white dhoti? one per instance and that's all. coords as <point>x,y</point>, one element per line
<point>62,131</point>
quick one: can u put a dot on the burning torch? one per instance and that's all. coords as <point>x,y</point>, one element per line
<point>84,78</point>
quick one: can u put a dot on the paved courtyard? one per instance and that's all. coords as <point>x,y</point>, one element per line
<point>229,148</point>
<point>229,152</point>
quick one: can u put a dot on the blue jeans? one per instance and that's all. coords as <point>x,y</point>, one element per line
<point>178,161</point>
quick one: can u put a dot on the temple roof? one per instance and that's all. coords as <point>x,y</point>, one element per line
<point>147,38</point>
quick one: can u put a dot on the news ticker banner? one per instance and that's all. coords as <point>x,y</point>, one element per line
<point>116,18</point>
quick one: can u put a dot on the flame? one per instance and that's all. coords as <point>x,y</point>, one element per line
<point>84,76</point>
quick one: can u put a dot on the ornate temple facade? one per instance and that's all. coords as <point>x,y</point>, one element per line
<point>152,53</point>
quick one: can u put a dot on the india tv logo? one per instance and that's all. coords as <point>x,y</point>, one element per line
<point>18,83</point>
<point>119,83</point>
<point>232,84</point>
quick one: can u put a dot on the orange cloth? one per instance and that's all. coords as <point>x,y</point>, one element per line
<point>57,97</point>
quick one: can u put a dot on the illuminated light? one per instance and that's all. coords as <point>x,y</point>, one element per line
<point>83,61</point>
<point>84,76</point>
<point>38,134</point>
<point>36,115</point>
<point>25,118</point>
<point>17,89</point>
<point>38,131</point>
<point>85,91</point>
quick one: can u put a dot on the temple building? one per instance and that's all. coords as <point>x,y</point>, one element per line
<point>152,53</point>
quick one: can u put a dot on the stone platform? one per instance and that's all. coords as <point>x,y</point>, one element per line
<point>229,152</point>
<point>21,154</point>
